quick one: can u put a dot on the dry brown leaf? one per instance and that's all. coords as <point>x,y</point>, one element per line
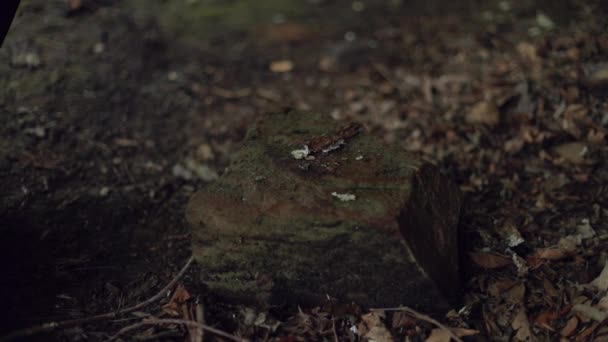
<point>551,253</point>
<point>516,294</point>
<point>498,287</point>
<point>514,145</point>
<point>565,248</point>
<point>603,303</point>
<point>180,297</point>
<point>287,32</point>
<point>601,282</point>
<point>484,112</point>
<point>528,52</point>
<point>597,75</point>
<point>545,320</point>
<point>570,327</point>
<point>379,334</point>
<point>584,336</point>
<point>521,324</point>
<point>281,66</point>
<point>590,312</point>
<point>74,5</point>
<point>573,152</point>
<point>443,335</point>
<point>403,320</point>
<point>550,290</point>
<point>439,335</point>
<point>372,327</point>
<point>489,260</point>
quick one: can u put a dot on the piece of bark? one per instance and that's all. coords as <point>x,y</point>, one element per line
<point>362,222</point>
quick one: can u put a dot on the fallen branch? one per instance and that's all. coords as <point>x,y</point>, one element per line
<point>192,324</point>
<point>421,317</point>
<point>51,326</point>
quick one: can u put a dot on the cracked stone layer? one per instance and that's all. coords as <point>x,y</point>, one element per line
<point>270,232</point>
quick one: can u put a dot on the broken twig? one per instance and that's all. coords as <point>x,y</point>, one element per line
<point>192,324</point>
<point>51,326</point>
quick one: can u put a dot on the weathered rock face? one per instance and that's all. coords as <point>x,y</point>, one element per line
<point>351,218</point>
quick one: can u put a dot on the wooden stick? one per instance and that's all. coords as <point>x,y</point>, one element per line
<point>155,321</point>
<point>51,326</point>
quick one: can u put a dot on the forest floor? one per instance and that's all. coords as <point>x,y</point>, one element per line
<point>114,113</point>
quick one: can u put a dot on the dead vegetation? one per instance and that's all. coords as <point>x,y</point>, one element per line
<point>111,123</point>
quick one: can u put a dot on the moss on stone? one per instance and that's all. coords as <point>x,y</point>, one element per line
<point>276,215</point>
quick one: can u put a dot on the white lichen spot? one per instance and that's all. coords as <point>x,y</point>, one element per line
<point>585,229</point>
<point>334,146</point>
<point>520,264</point>
<point>359,157</point>
<point>514,240</point>
<point>344,197</point>
<point>301,154</point>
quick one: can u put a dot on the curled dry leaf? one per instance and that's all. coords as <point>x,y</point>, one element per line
<point>597,75</point>
<point>591,312</point>
<point>528,52</point>
<point>443,335</point>
<point>489,260</point>
<point>373,328</point>
<point>179,298</point>
<point>573,152</point>
<point>603,303</point>
<point>586,334</point>
<point>570,327</point>
<point>403,320</point>
<point>515,295</point>
<point>566,247</point>
<point>601,282</point>
<point>498,287</point>
<point>545,319</point>
<point>521,324</point>
<point>484,112</point>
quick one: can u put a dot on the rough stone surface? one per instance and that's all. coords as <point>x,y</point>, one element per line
<point>277,230</point>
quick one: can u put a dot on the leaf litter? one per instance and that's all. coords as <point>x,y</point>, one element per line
<point>514,111</point>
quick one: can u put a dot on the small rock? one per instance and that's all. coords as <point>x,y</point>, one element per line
<point>29,59</point>
<point>202,171</point>
<point>103,192</point>
<point>544,22</point>
<point>206,173</point>
<point>585,229</point>
<point>573,152</point>
<point>172,76</point>
<point>358,6</point>
<point>504,6</point>
<point>181,172</point>
<point>281,66</point>
<point>484,112</point>
<point>74,5</point>
<point>204,152</point>
<point>37,131</point>
<point>99,47</point>
<point>596,78</point>
<point>598,73</point>
<point>514,145</point>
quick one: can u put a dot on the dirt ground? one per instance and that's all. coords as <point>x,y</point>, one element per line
<point>115,112</point>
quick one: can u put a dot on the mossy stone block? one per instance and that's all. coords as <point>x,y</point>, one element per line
<point>310,208</point>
